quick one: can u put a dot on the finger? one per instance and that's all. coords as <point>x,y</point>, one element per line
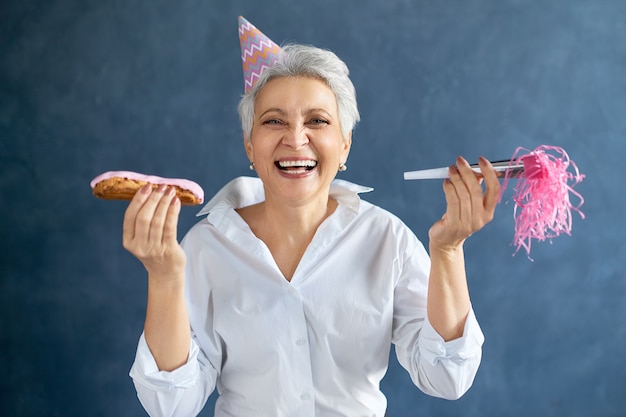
<point>170,232</point>
<point>492,185</point>
<point>481,214</point>
<point>143,220</point>
<point>464,204</point>
<point>130,215</point>
<point>160,214</point>
<point>472,183</point>
<point>451,195</point>
<point>154,214</point>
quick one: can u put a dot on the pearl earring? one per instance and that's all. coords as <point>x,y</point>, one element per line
<point>252,168</point>
<point>342,167</point>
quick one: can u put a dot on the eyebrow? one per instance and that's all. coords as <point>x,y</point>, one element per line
<point>305,112</point>
<point>272,110</point>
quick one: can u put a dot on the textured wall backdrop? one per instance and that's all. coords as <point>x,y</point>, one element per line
<point>152,85</point>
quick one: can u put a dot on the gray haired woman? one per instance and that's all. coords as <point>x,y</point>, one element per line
<point>290,291</point>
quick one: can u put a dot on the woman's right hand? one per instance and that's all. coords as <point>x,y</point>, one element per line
<point>150,233</point>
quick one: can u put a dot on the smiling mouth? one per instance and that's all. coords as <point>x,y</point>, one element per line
<point>296,167</point>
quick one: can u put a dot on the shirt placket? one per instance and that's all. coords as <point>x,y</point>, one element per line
<point>301,371</point>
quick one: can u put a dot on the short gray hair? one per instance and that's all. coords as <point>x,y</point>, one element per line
<point>307,61</point>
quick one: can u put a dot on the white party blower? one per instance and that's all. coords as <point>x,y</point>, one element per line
<point>528,167</point>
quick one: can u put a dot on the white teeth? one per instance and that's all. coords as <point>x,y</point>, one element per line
<point>302,163</point>
<point>295,171</point>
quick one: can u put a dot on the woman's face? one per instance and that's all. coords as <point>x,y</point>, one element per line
<point>296,142</point>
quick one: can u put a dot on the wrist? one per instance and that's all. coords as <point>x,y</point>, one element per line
<point>444,250</point>
<point>169,282</point>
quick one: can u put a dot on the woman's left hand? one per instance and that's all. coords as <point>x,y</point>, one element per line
<point>468,207</point>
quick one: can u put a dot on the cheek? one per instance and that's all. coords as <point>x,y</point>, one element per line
<point>257,147</point>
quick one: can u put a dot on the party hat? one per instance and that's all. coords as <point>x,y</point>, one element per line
<point>258,52</point>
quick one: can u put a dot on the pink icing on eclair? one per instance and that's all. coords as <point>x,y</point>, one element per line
<point>152,179</point>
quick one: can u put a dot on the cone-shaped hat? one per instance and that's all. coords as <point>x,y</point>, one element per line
<point>258,52</point>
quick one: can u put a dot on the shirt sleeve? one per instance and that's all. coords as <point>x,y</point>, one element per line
<point>181,392</point>
<point>439,368</point>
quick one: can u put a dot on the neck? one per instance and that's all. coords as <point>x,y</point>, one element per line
<point>295,223</point>
<point>287,230</point>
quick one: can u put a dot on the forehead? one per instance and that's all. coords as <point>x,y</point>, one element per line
<point>295,93</point>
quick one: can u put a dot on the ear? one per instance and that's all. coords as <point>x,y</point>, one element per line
<point>347,144</point>
<point>247,144</point>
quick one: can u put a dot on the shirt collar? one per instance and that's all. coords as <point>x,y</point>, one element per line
<point>245,191</point>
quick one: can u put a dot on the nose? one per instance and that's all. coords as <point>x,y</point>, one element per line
<point>295,138</point>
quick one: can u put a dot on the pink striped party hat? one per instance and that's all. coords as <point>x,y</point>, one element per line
<point>258,52</point>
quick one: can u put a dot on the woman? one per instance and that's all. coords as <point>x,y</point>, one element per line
<point>288,294</point>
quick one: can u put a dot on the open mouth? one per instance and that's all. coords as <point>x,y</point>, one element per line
<point>296,167</point>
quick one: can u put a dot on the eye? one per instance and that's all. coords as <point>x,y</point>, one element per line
<point>318,121</point>
<point>271,122</point>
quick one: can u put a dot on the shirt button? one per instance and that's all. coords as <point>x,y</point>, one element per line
<point>305,397</point>
<point>300,342</point>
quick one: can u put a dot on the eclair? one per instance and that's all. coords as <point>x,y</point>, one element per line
<point>122,185</point>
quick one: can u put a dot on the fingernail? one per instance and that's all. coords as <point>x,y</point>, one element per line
<point>483,160</point>
<point>461,160</point>
<point>146,189</point>
<point>161,188</point>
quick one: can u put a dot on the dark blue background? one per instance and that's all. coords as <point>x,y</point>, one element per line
<point>152,85</point>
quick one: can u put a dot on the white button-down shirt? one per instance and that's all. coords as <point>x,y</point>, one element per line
<point>318,345</point>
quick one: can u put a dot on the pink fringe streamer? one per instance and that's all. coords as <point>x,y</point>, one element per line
<point>542,202</point>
